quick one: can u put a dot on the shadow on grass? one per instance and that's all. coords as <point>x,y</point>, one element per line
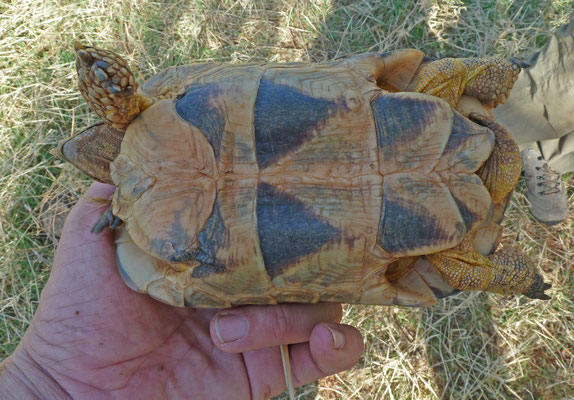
<point>461,339</point>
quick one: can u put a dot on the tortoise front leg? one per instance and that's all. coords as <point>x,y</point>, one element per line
<point>93,150</point>
<point>507,271</point>
<point>107,220</point>
<point>488,79</point>
<point>108,86</point>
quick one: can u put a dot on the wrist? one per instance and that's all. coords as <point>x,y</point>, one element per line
<point>22,378</point>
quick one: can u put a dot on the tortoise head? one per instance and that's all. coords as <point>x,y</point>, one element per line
<point>108,86</point>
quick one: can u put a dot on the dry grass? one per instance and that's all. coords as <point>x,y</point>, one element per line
<point>471,346</point>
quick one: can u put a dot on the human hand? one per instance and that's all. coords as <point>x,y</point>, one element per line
<point>93,337</point>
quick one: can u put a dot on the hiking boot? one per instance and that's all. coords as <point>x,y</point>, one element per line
<point>545,189</point>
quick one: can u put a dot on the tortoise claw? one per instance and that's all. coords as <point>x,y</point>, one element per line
<point>106,220</point>
<point>520,63</point>
<point>541,296</point>
<point>536,290</point>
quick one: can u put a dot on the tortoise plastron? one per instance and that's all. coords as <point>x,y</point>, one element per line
<point>266,183</point>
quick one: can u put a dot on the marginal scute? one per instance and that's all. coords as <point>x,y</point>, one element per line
<point>392,70</point>
<point>487,238</point>
<point>166,291</point>
<point>472,198</point>
<point>432,278</point>
<point>297,296</point>
<point>468,146</point>
<point>172,82</point>
<point>383,293</point>
<point>413,291</point>
<point>400,68</point>
<point>194,297</point>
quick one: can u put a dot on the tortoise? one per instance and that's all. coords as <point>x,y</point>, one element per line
<point>351,181</point>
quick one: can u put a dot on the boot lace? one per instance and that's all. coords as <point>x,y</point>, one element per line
<point>549,180</point>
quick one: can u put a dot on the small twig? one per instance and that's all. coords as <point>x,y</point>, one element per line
<point>287,370</point>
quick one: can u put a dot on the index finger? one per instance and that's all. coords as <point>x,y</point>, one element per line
<point>79,224</point>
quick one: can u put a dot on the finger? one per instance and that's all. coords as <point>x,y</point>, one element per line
<point>87,211</point>
<point>332,348</point>
<point>77,240</point>
<point>256,327</point>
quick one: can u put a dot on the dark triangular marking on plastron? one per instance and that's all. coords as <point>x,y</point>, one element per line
<point>400,119</point>
<point>209,240</point>
<point>403,229</point>
<point>197,107</point>
<point>287,229</point>
<point>284,119</point>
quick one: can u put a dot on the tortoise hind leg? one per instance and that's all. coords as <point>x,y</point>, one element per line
<point>504,272</point>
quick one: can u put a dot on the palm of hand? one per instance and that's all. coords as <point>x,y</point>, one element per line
<point>108,337</point>
<point>97,338</point>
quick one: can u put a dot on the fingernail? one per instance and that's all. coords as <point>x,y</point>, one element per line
<point>338,339</point>
<point>230,327</point>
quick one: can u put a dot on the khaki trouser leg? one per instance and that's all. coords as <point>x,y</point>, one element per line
<point>540,110</point>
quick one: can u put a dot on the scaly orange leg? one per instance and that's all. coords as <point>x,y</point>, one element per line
<point>500,173</point>
<point>507,271</point>
<point>108,86</point>
<point>488,79</point>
